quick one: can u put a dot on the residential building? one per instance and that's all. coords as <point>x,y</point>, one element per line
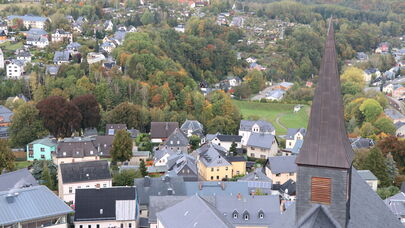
<point>108,46</point>
<point>103,143</point>
<point>29,21</point>
<point>396,205</point>
<point>24,56</point>
<point>21,178</point>
<point>183,165</point>
<point>225,141</point>
<point>15,69</point>
<point>394,115</point>
<point>61,57</point>
<point>4,132</point>
<point>160,159</point>
<point>399,93</point>
<point>281,168</point>
<point>369,73</point>
<point>35,206</point>
<point>330,192</point>
<point>246,127</point>
<point>369,177</point>
<point>61,35</point>
<point>262,145</point>
<point>5,116</point>
<point>1,59</point>
<point>71,150</point>
<point>138,156</point>
<point>361,143</point>
<point>41,149</point>
<point>52,70</point>
<point>216,188</point>
<point>160,131</point>
<point>258,182</point>
<point>37,41</point>
<point>275,95</point>
<point>90,174</point>
<point>107,207</point>
<point>400,132</point>
<point>288,192</point>
<point>36,32</point>
<point>293,135</point>
<point>111,129</point>
<point>192,127</point>
<point>73,47</point>
<point>94,57</point>
<point>159,203</point>
<point>177,141</point>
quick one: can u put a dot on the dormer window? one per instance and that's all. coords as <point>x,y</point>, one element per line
<point>261,214</point>
<point>235,214</point>
<point>245,215</point>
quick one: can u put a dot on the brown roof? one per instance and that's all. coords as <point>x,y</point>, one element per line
<point>326,143</point>
<point>162,129</point>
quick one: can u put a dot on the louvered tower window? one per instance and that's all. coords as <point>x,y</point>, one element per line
<point>321,189</point>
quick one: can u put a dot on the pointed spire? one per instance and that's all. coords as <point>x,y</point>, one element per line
<point>326,143</point>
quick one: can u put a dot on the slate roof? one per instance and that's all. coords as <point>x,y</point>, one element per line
<point>211,156</point>
<point>85,171</point>
<point>260,140</point>
<point>27,18</point>
<point>74,147</point>
<point>61,56</point>
<point>297,147</point>
<point>192,125</point>
<point>4,132</point>
<point>326,143</point>
<point>90,201</point>
<point>176,139</point>
<point>396,204</point>
<point>366,175</point>
<point>104,144</point>
<point>282,164</point>
<point>216,188</point>
<point>45,141</point>
<point>159,203</point>
<point>158,186</point>
<point>366,210</point>
<point>394,114</point>
<point>18,179</point>
<point>399,124</point>
<point>52,69</point>
<point>246,125</point>
<point>6,114</point>
<point>158,154</point>
<point>192,212</point>
<point>289,187</point>
<point>37,31</point>
<point>162,129</point>
<point>256,175</point>
<point>359,143</point>
<point>111,129</point>
<point>28,204</point>
<point>291,132</point>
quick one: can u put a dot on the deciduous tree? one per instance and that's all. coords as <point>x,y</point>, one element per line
<point>122,146</point>
<point>6,156</point>
<point>89,110</point>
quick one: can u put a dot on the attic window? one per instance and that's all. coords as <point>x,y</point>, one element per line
<point>321,189</point>
<point>261,214</point>
<point>235,214</point>
<point>101,211</point>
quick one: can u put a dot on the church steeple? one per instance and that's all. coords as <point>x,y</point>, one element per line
<point>326,143</point>
<point>325,159</point>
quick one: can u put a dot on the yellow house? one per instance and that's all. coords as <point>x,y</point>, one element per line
<point>281,168</point>
<point>213,163</point>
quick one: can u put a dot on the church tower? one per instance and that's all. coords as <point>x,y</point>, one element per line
<point>325,160</point>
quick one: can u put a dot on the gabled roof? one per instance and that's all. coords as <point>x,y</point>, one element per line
<point>177,139</point>
<point>31,203</point>
<point>45,141</point>
<point>246,125</point>
<point>85,171</point>
<point>61,56</point>
<point>216,188</point>
<point>192,125</point>
<point>394,114</point>
<point>396,204</point>
<point>211,156</point>
<point>193,212</point>
<point>282,164</point>
<point>6,114</point>
<point>261,140</point>
<point>291,132</point>
<point>116,203</point>
<point>326,143</point>
<point>367,175</point>
<point>72,147</point>
<point>104,144</point>
<point>256,175</point>
<point>289,187</point>
<point>162,129</point>
<point>111,129</point>
<point>21,178</point>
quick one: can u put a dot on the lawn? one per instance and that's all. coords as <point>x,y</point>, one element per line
<point>9,46</point>
<point>272,111</point>
<point>22,164</point>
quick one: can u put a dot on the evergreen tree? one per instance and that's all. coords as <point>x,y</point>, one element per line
<point>46,177</point>
<point>6,156</point>
<point>142,168</point>
<point>232,150</point>
<point>122,146</point>
<point>392,169</point>
<point>375,162</point>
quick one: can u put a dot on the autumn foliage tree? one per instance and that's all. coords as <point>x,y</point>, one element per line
<point>396,147</point>
<point>6,156</point>
<point>122,147</point>
<point>60,116</point>
<point>89,110</point>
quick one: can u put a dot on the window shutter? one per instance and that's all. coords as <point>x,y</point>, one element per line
<point>321,190</point>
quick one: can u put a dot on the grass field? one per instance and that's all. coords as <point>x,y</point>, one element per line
<point>270,112</point>
<point>8,46</point>
<point>22,164</point>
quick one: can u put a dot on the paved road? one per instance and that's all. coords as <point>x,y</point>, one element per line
<point>278,120</point>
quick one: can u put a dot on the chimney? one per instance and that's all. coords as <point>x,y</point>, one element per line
<point>97,186</point>
<point>222,185</point>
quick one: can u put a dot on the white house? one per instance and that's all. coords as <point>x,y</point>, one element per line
<point>293,135</point>
<point>61,35</point>
<point>90,174</point>
<point>29,21</point>
<point>37,41</point>
<point>1,59</point>
<point>108,46</point>
<point>24,56</point>
<point>246,127</point>
<point>94,57</point>
<point>224,140</point>
<point>15,69</point>
<point>368,73</point>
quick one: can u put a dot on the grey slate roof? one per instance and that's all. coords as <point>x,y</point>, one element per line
<point>162,129</point>
<point>366,175</point>
<point>366,210</point>
<point>27,18</point>
<point>399,124</point>
<point>158,154</point>
<point>216,188</point>
<point>5,113</point>
<point>359,143</point>
<point>246,125</point>
<point>61,56</point>
<point>45,141</point>
<point>158,186</point>
<point>212,156</point>
<point>193,212</point>
<point>52,69</point>
<point>21,178</point>
<point>31,203</point>
<point>394,114</point>
<point>256,175</point>
<point>193,125</point>
<point>326,143</point>
<point>76,148</point>
<point>183,165</point>
<point>104,144</point>
<point>260,140</point>
<point>159,203</point>
<point>111,129</point>
<point>85,171</point>
<point>291,132</point>
<point>176,139</point>
<point>396,204</point>
<point>282,164</point>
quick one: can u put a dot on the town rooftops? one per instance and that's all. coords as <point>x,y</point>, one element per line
<point>282,164</point>
<point>61,56</point>
<point>45,141</point>
<point>76,147</point>
<point>210,156</point>
<point>116,203</point>
<point>176,139</point>
<point>261,140</point>
<point>264,126</point>
<point>5,114</point>
<point>29,204</point>
<point>394,114</point>
<point>21,178</point>
<point>291,132</point>
<point>193,125</point>
<point>27,18</point>
<point>52,69</point>
<point>396,204</point>
<point>37,31</point>
<point>111,129</point>
<point>366,175</point>
<point>85,171</point>
<point>214,188</point>
<point>159,203</point>
<point>162,129</point>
